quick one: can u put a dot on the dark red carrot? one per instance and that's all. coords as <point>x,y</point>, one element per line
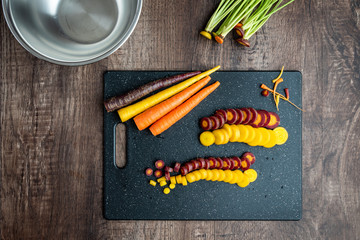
<point>175,115</point>
<point>115,103</point>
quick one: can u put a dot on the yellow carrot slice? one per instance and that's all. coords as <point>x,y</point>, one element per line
<point>156,112</point>
<point>175,115</point>
<point>131,111</point>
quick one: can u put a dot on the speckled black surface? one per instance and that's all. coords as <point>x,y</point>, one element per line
<point>275,195</point>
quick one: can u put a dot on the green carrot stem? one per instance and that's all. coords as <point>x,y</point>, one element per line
<point>224,8</point>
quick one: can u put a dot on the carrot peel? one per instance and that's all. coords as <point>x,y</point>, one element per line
<point>175,115</point>
<point>275,86</point>
<point>263,86</point>
<point>281,72</point>
<point>151,115</point>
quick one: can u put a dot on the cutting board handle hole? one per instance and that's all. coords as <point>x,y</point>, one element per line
<point>120,145</point>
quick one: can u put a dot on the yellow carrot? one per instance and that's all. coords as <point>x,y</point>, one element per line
<point>131,111</point>
<point>175,115</point>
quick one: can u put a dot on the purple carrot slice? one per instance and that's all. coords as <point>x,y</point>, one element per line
<point>158,173</point>
<point>206,123</point>
<point>177,167</point>
<point>159,164</point>
<point>149,172</point>
<point>223,113</point>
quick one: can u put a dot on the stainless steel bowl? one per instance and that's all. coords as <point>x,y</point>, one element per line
<point>71,32</point>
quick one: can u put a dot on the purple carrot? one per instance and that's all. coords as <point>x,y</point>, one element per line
<point>115,103</point>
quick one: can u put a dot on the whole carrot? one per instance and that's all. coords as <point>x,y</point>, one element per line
<point>153,114</point>
<point>117,102</point>
<point>132,110</point>
<point>175,115</point>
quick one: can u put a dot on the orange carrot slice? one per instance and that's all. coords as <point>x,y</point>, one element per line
<point>153,114</point>
<point>175,115</point>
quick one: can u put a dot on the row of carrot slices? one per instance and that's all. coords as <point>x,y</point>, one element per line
<point>246,134</point>
<point>242,179</point>
<point>227,169</point>
<point>245,116</point>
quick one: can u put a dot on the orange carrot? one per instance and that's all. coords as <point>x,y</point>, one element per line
<point>175,115</point>
<point>153,114</point>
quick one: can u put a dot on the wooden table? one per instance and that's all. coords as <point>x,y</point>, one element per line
<point>52,124</point>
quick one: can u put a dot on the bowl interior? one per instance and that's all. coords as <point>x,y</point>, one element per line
<point>70,31</point>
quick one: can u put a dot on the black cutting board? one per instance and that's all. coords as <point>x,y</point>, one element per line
<point>275,195</point>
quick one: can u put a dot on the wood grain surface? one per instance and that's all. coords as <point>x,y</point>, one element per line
<point>52,129</point>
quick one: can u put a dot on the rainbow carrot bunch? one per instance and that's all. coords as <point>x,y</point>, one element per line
<point>163,109</point>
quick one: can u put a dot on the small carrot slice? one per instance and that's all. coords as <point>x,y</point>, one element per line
<point>251,135</point>
<point>228,129</point>
<point>228,175</point>
<point>178,179</point>
<point>239,174</point>
<point>153,114</point>
<point>132,110</point>
<point>219,136</point>
<point>190,177</point>
<point>235,133</point>
<point>244,182</point>
<point>265,136</point>
<point>273,140</point>
<point>226,136</point>
<point>221,175</point>
<point>175,115</point>
<point>209,175</point>
<point>244,133</point>
<point>251,174</point>
<point>281,135</point>
<point>203,173</point>
<point>257,139</point>
<point>207,138</point>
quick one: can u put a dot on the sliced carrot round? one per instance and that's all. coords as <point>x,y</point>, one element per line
<point>234,178</point>
<point>281,135</point>
<point>257,139</point>
<point>228,175</point>
<point>216,175</point>
<point>252,174</point>
<point>203,173</point>
<point>197,175</point>
<point>273,140</point>
<point>207,138</point>
<point>221,175</point>
<point>227,127</point>
<point>244,182</point>
<point>239,174</point>
<point>178,178</point>
<point>265,136</point>
<point>219,136</point>
<point>251,135</point>
<point>226,136</point>
<point>235,133</point>
<point>209,175</point>
<point>244,133</point>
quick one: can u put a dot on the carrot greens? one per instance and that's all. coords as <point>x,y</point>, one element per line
<point>252,14</point>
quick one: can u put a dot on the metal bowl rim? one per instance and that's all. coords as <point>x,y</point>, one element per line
<point>69,63</point>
